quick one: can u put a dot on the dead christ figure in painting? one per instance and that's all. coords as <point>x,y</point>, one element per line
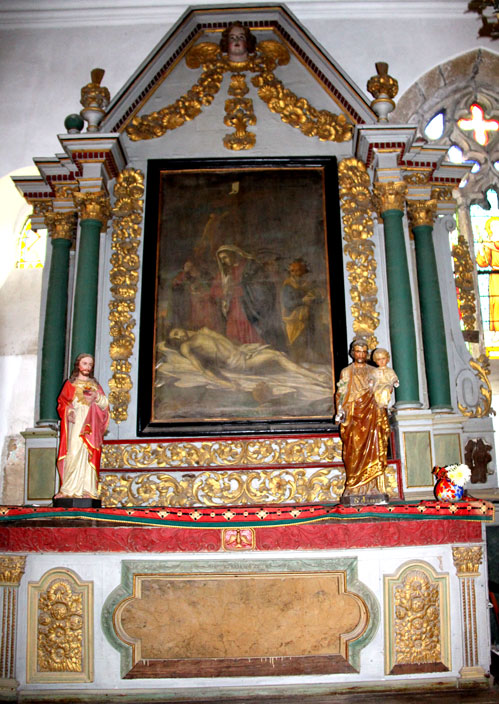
<point>212,353</point>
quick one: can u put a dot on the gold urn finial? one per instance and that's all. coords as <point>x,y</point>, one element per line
<point>383,87</point>
<point>95,99</point>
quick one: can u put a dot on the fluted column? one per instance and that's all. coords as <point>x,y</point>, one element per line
<point>389,199</point>
<point>421,215</point>
<point>62,228</point>
<point>11,571</point>
<point>467,561</point>
<point>94,212</point>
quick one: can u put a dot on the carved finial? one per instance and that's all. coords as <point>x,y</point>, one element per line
<point>95,99</point>
<point>383,87</point>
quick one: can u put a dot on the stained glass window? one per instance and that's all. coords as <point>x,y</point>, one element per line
<point>30,248</point>
<point>485,226</point>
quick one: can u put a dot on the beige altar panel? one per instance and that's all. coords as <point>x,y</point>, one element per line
<point>227,624</point>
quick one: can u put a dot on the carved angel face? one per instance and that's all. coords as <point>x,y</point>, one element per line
<point>237,44</point>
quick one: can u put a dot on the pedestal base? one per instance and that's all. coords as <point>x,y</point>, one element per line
<point>73,502</point>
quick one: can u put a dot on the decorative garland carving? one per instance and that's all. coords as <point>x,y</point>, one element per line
<point>124,276</point>
<point>223,453</point>
<point>463,275</point>
<point>293,110</point>
<point>212,488</point>
<point>358,228</point>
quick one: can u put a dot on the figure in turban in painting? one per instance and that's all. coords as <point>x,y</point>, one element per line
<point>84,412</point>
<point>364,430</point>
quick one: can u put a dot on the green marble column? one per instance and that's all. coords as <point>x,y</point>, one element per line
<point>390,197</point>
<point>421,214</point>
<point>94,211</point>
<point>61,227</point>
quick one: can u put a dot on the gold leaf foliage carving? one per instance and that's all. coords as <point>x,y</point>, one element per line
<point>222,453</point>
<point>124,276</point>
<point>481,369</point>
<point>225,488</point>
<point>11,569</point>
<point>467,560</point>
<point>463,275</point>
<point>417,620</point>
<point>358,229</point>
<point>292,109</point>
<point>60,629</point>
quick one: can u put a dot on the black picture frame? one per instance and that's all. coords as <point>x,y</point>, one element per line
<point>275,209</point>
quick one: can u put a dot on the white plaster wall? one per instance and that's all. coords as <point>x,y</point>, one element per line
<point>104,570</point>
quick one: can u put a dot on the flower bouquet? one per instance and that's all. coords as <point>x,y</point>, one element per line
<point>450,481</point>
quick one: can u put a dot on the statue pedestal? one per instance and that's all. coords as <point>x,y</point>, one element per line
<point>72,502</point>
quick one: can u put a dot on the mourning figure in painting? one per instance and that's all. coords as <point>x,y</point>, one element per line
<point>84,412</point>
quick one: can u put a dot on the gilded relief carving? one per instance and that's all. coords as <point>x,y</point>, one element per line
<point>389,196</point>
<point>223,453</point>
<point>212,488</point>
<point>467,560</point>
<point>59,628</point>
<point>93,205</point>
<point>61,225</point>
<point>421,212</point>
<point>463,276</point>
<point>292,109</point>
<point>481,370</point>
<point>416,627</point>
<point>358,229</point>
<point>124,276</point>
<point>11,570</point>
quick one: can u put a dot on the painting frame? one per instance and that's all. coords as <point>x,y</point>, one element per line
<point>196,203</point>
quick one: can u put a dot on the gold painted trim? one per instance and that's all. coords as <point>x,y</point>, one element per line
<point>59,645</point>
<point>123,277</point>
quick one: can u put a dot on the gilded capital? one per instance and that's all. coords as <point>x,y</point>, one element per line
<point>421,212</point>
<point>11,570</point>
<point>93,205</point>
<point>389,195</point>
<point>467,561</point>
<point>61,225</point>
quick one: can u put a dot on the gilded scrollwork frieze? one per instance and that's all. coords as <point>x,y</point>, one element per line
<point>482,407</point>
<point>222,453</point>
<point>389,195</point>
<point>463,276</point>
<point>93,205</point>
<point>358,229</point>
<point>292,109</point>
<point>226,488</point>
<point>61,224</point>
<point>124,276</point>
<point>421,212</point>
<point>11,569</point>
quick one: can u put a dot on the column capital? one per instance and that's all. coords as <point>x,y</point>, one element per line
<point>61,225</point>
<point>389,195</point>
<point>422,212</point>
<point>93,205</point>
<point>11,570</point>
<point>467,560</point>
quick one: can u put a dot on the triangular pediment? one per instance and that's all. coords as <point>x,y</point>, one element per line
<point>310,73</point>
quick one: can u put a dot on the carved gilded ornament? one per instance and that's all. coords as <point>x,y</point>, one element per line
<point>421,212</point>
<point>269,54</point>
<point>239,114</point>
<point>93,95</point>
<point>60,629</point>
<point>463,276</point>
<point>93,205</point>
<point>11,569</point>
<point>417,620</point>
<point>417,178</point>
<point>442,193</point>
<point>467,560</point>
<point>225,488</point>
<point>65,192</point>
<point>41,206</point>
<point>382,84</point>
<point>223,453</point>
<point>61,225</point>
<point>124,277</point>
<point>389,195</point>
<point>481,369</point>
<point>358,229</point>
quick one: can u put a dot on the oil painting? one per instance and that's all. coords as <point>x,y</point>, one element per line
<point>237,294</point>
